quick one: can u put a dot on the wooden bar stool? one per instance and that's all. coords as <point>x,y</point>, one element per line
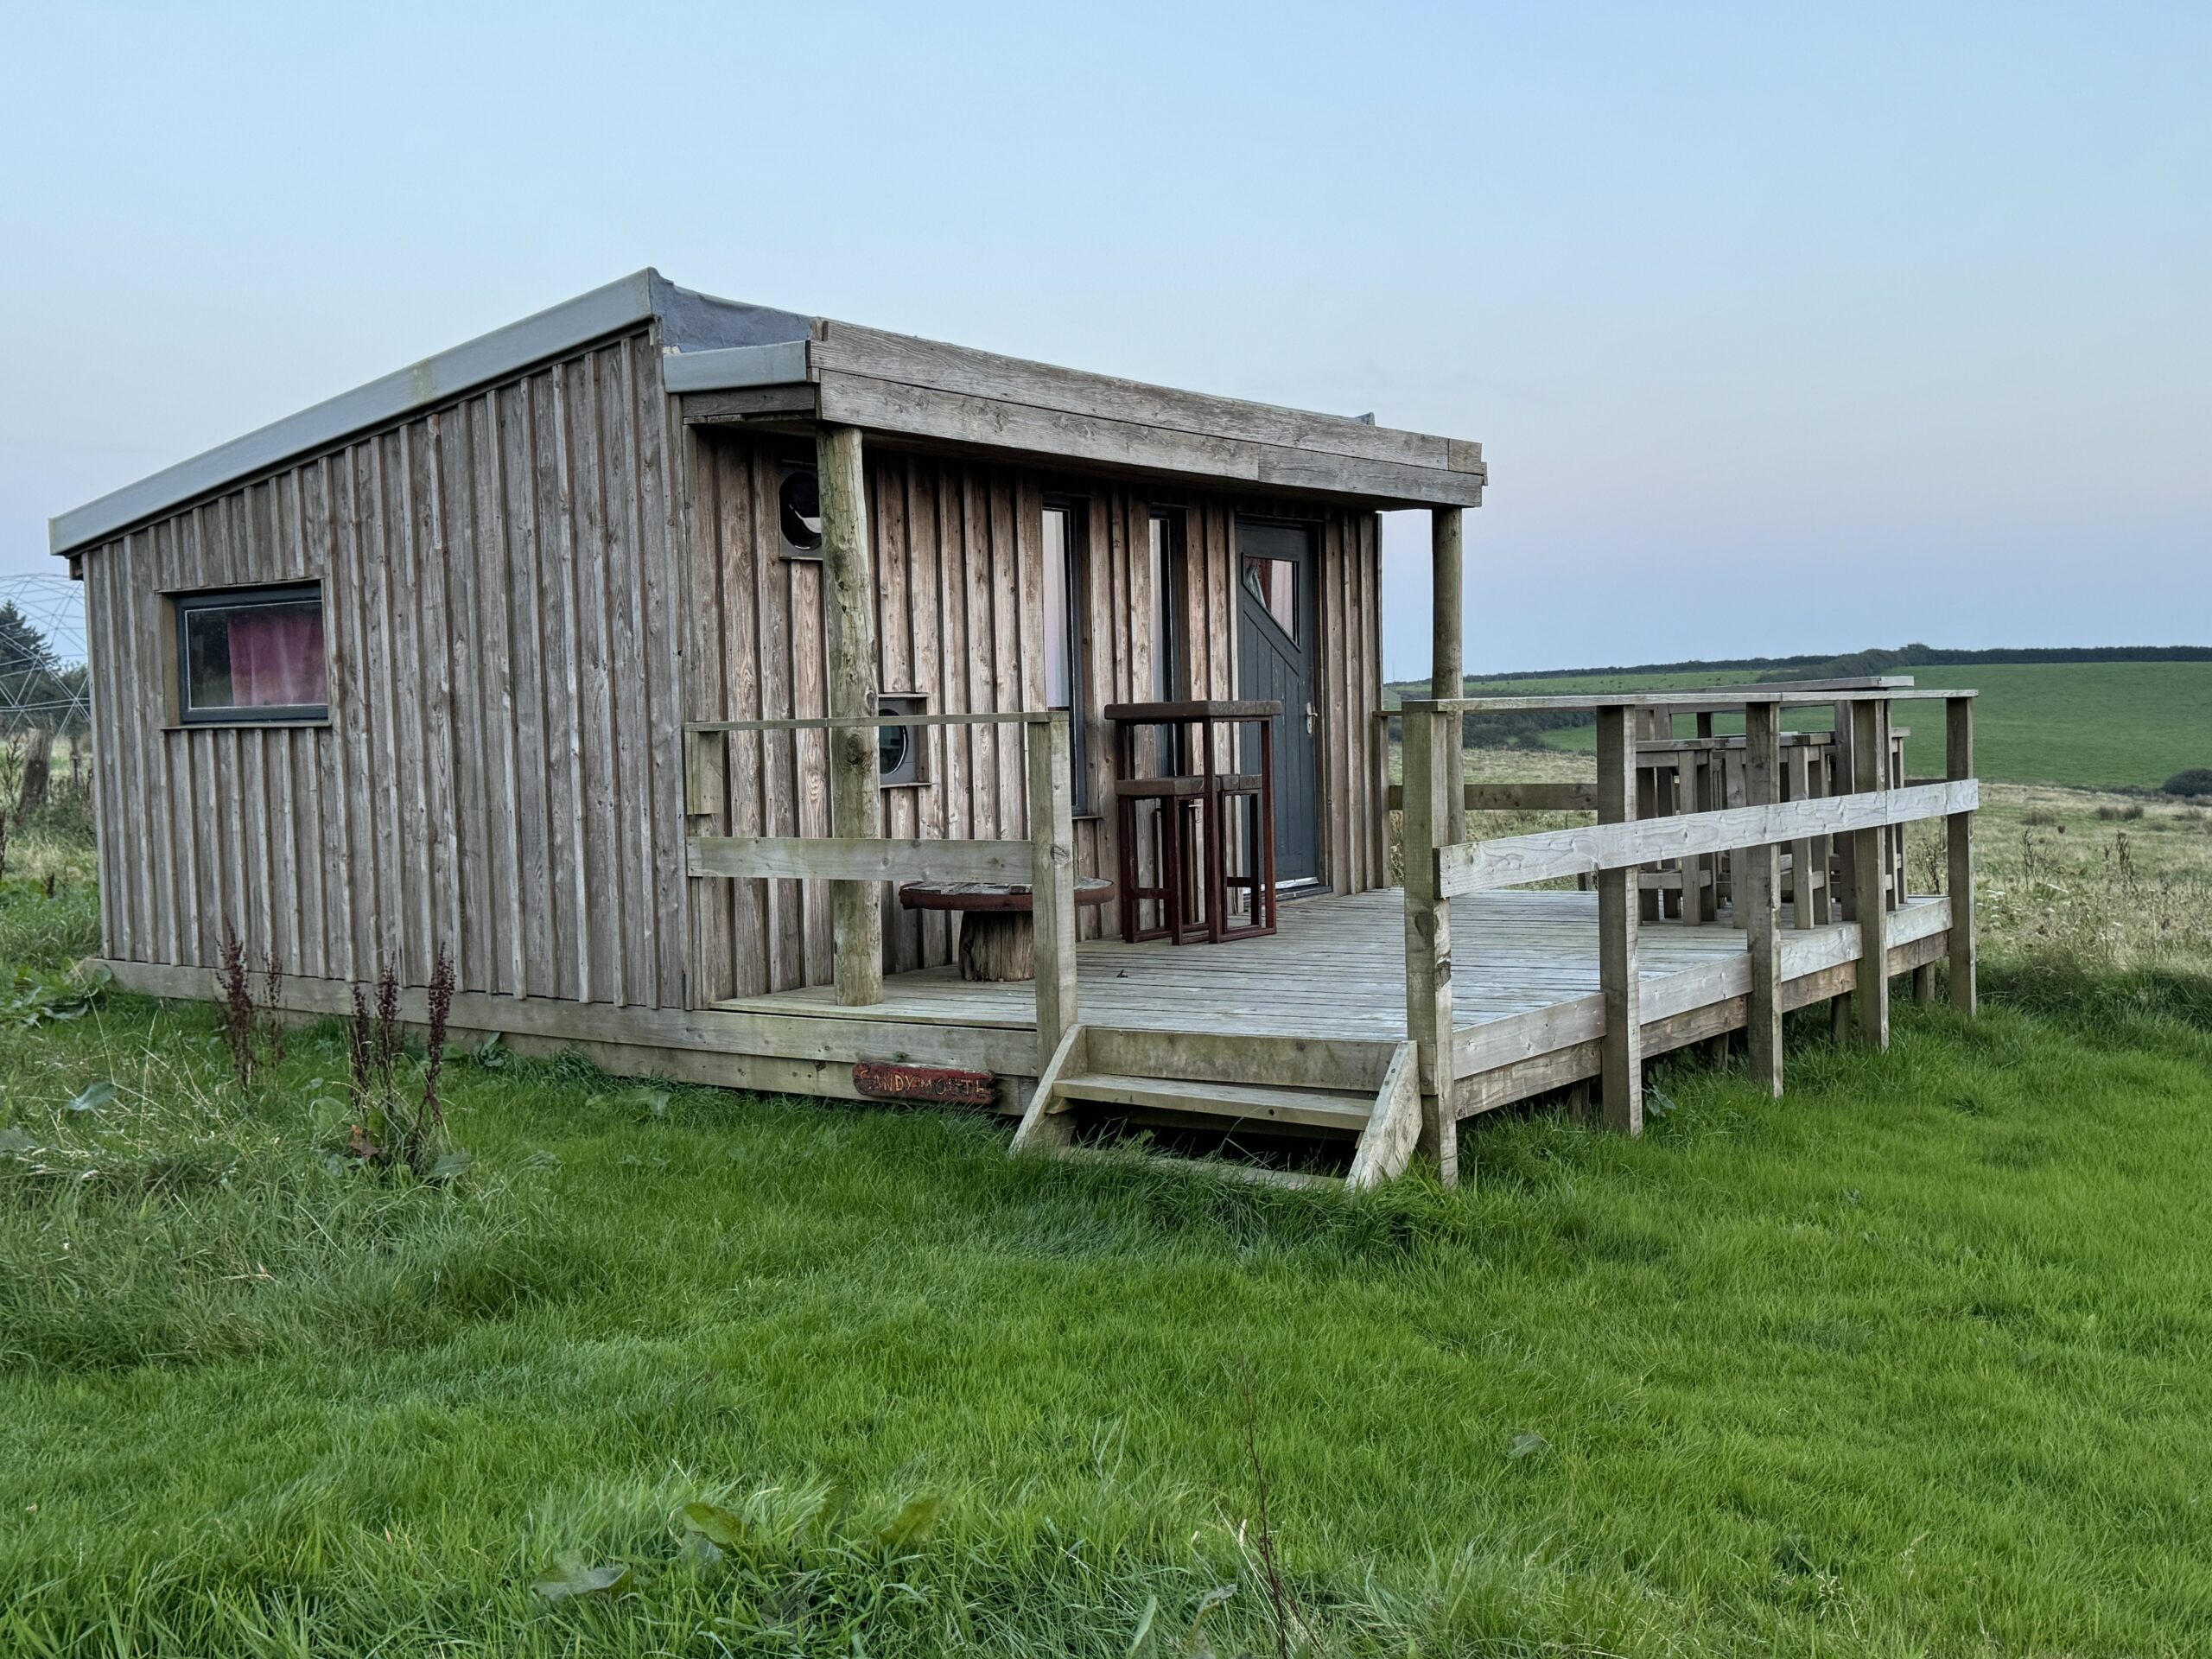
<point>1199,818</point>
<point>1257,880</point>
<point>1178,817</point>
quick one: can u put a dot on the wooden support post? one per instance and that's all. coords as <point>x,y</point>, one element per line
<point>1759,894</point>
<point>1840,847</point>
<point>1870,772</point>
<point>1958,762</point>
<point>1447,550</point>
<point>1051,880</point>
<point>1428,933</point>
<point>1703,789</point>
<point>1804,907</point>
<point>855,801</point>
<point>1621,1054</point>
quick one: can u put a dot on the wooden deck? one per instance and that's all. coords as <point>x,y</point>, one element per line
<point>1525,983</point>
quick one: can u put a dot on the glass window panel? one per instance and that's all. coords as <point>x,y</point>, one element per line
<point>254,655</point>
<point>1273,582</point>
<point>1058,648</point>
<point>1166,593</point>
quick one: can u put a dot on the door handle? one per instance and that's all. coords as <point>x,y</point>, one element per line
<point>1310,712</point>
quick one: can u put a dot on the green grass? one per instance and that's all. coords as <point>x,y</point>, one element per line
<point>2090,725</point>
<point>1913,1361</point>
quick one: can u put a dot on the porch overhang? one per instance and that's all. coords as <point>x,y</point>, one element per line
<point>953,398</point>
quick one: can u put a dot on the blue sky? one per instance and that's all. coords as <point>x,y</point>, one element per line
<point>1783,329</point>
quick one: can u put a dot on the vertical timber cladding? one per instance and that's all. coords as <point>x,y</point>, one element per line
<point>959,555</point>
<point>502,769</point>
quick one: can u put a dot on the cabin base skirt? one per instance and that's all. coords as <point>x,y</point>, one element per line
<point>804,1043</point>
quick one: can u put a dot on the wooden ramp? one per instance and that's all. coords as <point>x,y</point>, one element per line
<point>1369,1091</point>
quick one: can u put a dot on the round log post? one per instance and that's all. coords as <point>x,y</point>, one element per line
<point>856,809</point>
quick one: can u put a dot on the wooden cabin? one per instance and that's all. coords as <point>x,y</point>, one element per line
<point>635,656</point>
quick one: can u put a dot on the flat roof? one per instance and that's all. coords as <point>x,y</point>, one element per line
<point>861,376</point>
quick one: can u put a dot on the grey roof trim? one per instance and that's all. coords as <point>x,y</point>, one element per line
<point>735,366</point>
<point>687,318</point>
<point>605,310</point>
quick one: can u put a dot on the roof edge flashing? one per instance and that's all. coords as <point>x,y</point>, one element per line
<point>619,305</point>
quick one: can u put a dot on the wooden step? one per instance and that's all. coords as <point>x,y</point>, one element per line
<point>1246,1102</point>
<point>1370,1089</point>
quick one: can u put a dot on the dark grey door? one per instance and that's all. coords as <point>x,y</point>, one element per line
<point>1274,659</point>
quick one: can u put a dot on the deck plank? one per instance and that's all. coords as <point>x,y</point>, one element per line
<point>1335,969</point>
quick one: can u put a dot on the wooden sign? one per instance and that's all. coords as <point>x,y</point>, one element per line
<point>883,1080</point>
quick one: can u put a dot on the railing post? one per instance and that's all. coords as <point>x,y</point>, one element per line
<point>1870,774</point>
<point>1958,763</point>
<point>1757,894</point>
<point>1052,881</point>
<point>1447,559</point>
<point>1621,1052</point>
<point>855,798</point>
<point>1428,936</point>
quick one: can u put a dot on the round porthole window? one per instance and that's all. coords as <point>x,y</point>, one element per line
<point>801,510</point>
<point>894,749</point>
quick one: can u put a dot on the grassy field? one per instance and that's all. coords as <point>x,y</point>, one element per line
<point>1911,1362</point>
<point>2092,725</point>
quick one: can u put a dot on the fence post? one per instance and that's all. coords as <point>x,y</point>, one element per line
<point>1958,763</point>
<point>1621,1053</point>
<point>1870,774</point>
<point>1428,935</point>
<point>1052,881</point>
<point>855,796</point>
<point>1759,894</point>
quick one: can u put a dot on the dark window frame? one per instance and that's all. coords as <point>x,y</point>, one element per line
<point>1074,592</point>
<point>1170,661</point>
<point>786,470</point>
<point>918,773</point>
<point>186,604</point>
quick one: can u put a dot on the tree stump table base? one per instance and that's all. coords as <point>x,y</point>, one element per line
<point>998,932</point>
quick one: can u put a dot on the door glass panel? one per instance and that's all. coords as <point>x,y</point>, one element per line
<point>1058,645</point>
<point>1273,582</point>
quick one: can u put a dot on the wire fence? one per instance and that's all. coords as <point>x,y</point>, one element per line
<point>44,684</point>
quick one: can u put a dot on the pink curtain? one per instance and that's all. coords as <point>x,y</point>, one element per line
<point>277,657</point>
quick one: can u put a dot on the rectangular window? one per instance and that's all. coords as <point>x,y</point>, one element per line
<point>1273,582</point>
<point>251,653</point>
<point>1167,682</point>
<point>1166,605</point>
<point>1064,591</point>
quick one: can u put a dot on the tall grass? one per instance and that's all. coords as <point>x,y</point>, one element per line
<point>1910,1355</point>
<point>1910,1362</point>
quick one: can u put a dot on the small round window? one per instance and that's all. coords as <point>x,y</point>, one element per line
<point>801,510</point>
<point>894,749</point>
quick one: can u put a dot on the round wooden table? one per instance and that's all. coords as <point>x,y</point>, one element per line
<point>998,933</point>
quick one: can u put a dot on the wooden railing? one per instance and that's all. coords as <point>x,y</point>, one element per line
<point>1439,866</point>
<point>1045,861</point>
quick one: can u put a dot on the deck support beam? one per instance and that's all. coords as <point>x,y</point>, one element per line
<point>1428,935</point>
<point>1870,899</point>
<point>1448,558</point>
<point>856,810</point>
<point>1758,895</point>
<point>1051,880</point>
<point>1958,762</point>
<point>1621,1053</point>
